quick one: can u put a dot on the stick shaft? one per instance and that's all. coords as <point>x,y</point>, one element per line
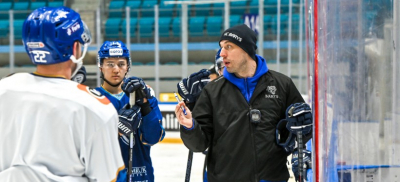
<point>300,157</point>
<point>131,139</point>
<point>189,166</point>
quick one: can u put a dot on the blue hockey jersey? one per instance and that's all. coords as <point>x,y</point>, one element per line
<point>149,133</point>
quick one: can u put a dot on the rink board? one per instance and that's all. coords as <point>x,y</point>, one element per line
<point>368,173</point>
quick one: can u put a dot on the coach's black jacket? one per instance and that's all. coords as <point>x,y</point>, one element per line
<point>238,149</point>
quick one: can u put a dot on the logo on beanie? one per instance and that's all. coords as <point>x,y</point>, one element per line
<point>228,34</point>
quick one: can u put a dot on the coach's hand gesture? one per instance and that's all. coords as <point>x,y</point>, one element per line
<point>185,120</point>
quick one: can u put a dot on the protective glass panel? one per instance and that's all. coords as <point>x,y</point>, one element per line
<point>357,90</point>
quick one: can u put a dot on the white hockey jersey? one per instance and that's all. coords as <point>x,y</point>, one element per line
<point>53,129</point>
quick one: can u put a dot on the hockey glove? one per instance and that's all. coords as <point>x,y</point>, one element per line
<point>307,162</point>
<point>80,76</point>
<point>190,88</point>
<point>284,137</point>
<point>299,118</point>
<point>137,85</point>
<point>129,120</point>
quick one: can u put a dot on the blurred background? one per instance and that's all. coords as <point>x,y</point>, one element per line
<point>186,39</point>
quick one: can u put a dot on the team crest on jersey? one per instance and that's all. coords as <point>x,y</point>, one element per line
<point>96,94</point>
<point>139,171</point>
<point>271,90</point>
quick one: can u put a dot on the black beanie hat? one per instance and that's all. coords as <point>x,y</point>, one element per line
<point>242,36</point>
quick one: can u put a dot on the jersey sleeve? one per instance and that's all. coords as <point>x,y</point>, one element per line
<point>151,130</point>
<point>103,158</point>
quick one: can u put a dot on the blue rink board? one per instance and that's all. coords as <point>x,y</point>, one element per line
<point>345,168</point>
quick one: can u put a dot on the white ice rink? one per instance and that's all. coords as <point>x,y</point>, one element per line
<point>169,162</point>
<point>170,159</point>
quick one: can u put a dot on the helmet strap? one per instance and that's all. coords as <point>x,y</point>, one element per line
<point>105,80</point>
<point>79,61</point>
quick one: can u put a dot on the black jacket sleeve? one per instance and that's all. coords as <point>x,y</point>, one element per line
<point>294,95</point>
<point>197,139</point>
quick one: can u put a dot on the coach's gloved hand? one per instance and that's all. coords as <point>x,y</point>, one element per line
<point>137,85</point>
<point>129,119</point>
<point>307,163</point>
<point>190,88</point>
<point>80,76</point>
<point>299,118</point>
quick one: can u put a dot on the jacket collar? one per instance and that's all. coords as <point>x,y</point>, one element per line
<point>247,85</point>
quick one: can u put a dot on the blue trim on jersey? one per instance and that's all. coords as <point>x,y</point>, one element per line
<point>149,133</point>
<point>118,103</point>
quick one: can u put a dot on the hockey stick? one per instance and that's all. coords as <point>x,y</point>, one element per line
<point>189,166</point>
<point>131,139</point>
<point>300,153</point>
<point>190,156</point>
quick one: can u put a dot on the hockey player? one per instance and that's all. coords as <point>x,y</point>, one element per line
<point>51,128</point>
<point>114,64</point>
<point>217,68</point>
<point>236,114</point>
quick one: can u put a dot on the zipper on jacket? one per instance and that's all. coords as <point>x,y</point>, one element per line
<point>254,147</point>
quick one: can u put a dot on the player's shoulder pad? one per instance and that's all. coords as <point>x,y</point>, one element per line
<point>94,93</point>
<point>10,74</point>
<point>7,76</point>
<point>94,103</point>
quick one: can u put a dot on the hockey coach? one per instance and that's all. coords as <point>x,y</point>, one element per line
<point>236,115</point>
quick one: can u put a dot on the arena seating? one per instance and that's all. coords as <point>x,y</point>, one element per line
<point>203,19</point>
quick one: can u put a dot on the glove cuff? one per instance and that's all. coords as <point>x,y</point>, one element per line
<point>146,109</point>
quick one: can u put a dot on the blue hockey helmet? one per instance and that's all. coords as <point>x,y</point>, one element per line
<point>49,33</point>
<point>113,49</point>
<point>219,63</point>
